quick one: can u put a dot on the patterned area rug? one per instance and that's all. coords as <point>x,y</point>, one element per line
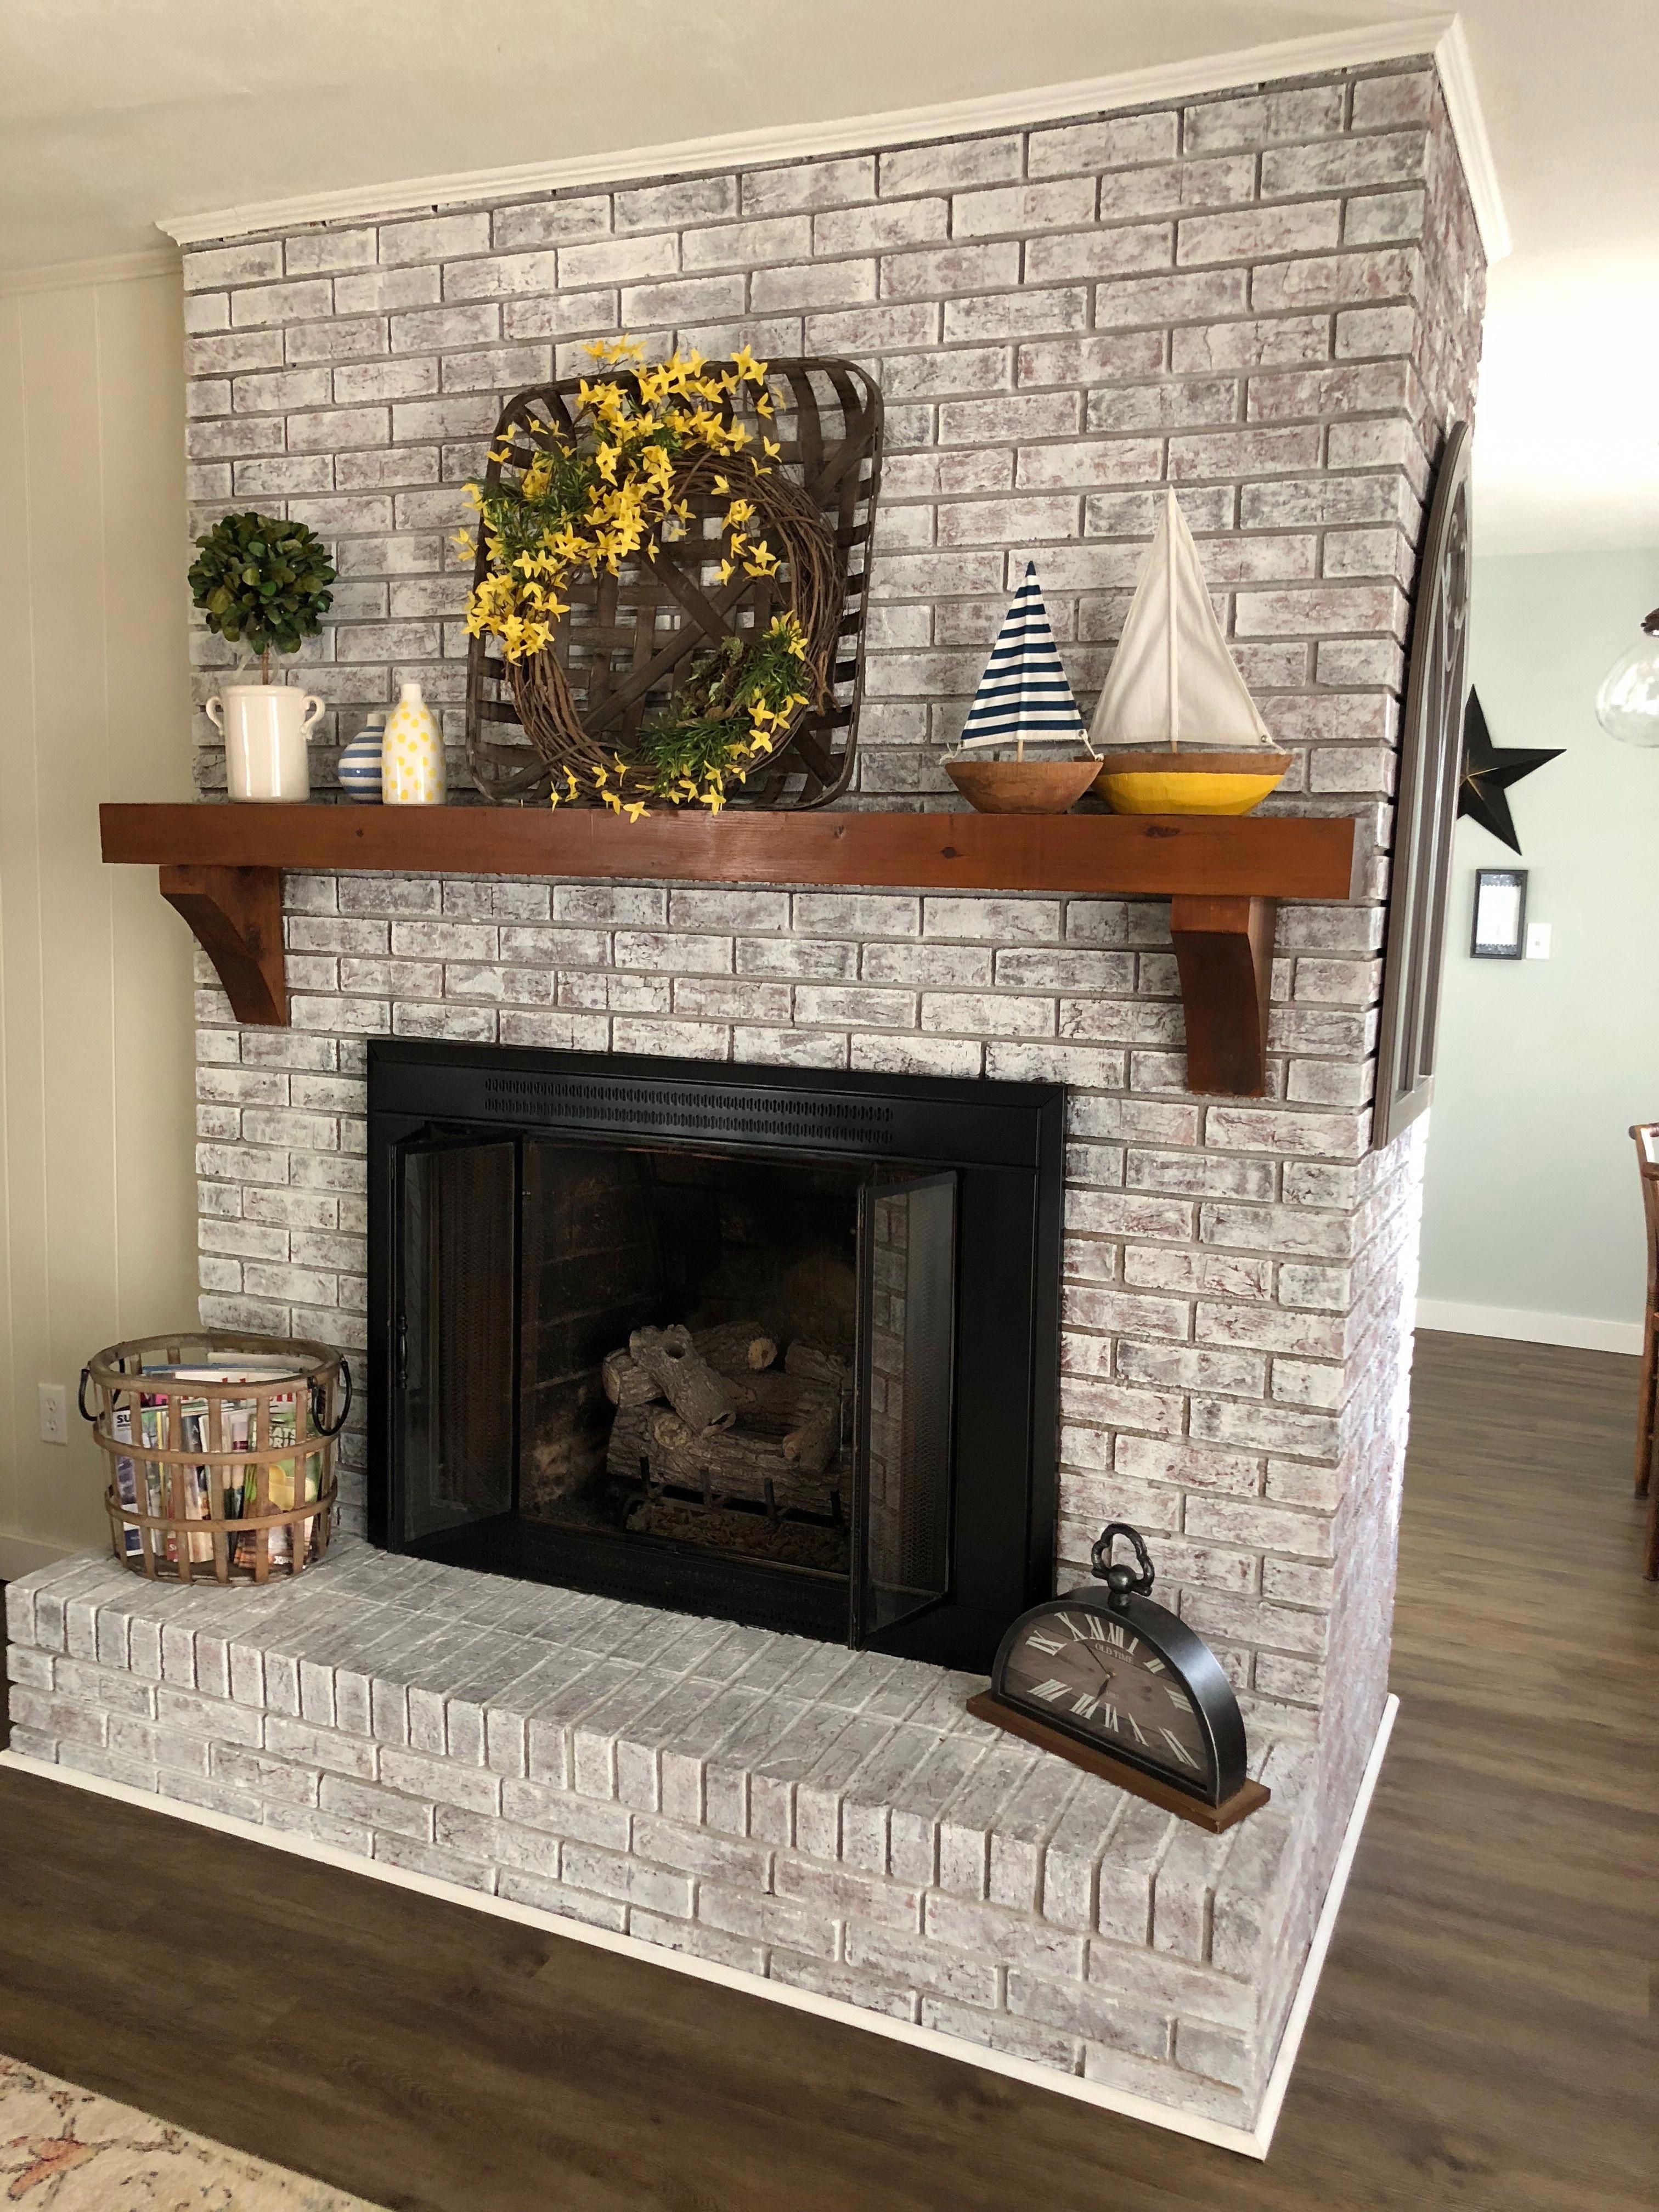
<point>65,2149</point>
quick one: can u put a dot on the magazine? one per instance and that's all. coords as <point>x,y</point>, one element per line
<point>194,1435</point>
<point>126,1479</point>
<point>280,1485</point>
<point>153,1435</point>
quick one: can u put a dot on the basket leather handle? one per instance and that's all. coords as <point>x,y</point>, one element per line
<point>318,1423</point>
<point>81,1397</point>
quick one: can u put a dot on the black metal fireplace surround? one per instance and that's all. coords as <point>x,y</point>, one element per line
<point>869,1263</point>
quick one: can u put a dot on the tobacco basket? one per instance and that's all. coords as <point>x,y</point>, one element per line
<point>628,642</point>
<point>218,1480</point>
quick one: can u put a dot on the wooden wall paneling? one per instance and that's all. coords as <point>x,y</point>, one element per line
<point>141,344</point>
<point>96,1197</point>
<point>21,1232</point>
<point>72,736</point>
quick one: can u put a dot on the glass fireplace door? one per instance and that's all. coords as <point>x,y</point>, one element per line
<point>454,1334</point>
<point>901,1534</point>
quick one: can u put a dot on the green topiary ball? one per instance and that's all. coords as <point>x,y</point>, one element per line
<point>262,583</point>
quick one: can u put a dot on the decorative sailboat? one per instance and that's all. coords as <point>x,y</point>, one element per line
<point>1023,699</point>
<point>1172,684</point>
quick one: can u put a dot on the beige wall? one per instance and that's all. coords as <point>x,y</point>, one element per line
<point>96,1201</point>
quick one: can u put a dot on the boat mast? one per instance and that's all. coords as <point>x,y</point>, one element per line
<point>1170,589</point>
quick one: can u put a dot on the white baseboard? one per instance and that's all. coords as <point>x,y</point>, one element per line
<point>1249,2143</point>
<point>26,1555</point>
<point>1522,1326</point>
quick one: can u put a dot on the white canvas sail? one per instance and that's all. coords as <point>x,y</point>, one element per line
<point>1172,681</point>
<point>1023,696</point>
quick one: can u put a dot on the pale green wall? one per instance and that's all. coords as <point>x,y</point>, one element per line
<point>1531,1199</point>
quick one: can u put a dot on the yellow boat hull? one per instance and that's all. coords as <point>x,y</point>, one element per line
<point>1190,783</point>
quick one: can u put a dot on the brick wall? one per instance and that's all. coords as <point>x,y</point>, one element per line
<point>1246,298</point>
<point>1270,301</point>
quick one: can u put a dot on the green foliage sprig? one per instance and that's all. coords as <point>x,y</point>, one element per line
<point>262,583</point>
<point>718,724</point>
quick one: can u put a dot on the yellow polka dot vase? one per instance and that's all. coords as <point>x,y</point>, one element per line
<point>412,755</point>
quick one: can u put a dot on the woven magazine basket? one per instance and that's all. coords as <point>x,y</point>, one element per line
<point>221,1452</point>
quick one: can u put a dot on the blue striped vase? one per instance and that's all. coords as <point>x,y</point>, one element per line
<point>359,769</point>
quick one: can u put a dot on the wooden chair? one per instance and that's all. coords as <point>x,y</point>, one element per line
<point>1646,1134</point>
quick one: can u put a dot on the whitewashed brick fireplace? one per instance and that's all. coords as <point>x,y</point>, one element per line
<point>1269,299</point>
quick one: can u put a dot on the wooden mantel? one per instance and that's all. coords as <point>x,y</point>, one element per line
<point>223,865</point>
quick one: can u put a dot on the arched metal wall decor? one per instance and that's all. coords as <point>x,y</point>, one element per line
<point>1425,803</point>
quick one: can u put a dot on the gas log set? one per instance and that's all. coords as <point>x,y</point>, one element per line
<point>708,1422</point>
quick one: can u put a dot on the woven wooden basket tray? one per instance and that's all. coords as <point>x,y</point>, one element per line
<point>226,1477</point>
<point>630,640</point>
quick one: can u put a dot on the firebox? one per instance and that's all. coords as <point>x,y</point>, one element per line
<point>772,1344</point>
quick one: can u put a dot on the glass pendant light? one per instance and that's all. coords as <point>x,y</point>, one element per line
<point>1627,704</point>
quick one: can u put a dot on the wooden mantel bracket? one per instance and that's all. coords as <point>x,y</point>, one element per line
<point>237,917</point>
<point>1225,951</point>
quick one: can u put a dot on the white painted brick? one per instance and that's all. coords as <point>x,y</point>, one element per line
<point>1017,314</point>
<point>1402,96</point>
<point>547,222</point>
<point>689,298</point>
<point>1382,218</point>
<point>1054,258</point>
<point>945,165</point>
<point>249,264</point>
<point>434,238</point>
<point>1117,143</point>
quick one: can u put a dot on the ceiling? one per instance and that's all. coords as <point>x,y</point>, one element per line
<point>115,112</point>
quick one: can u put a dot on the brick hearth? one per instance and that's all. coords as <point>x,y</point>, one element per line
<point>829,1819</point>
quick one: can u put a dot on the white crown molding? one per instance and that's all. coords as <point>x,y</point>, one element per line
<point>1440,36</point>
<point>108,269</point>
<point>1468,125</point>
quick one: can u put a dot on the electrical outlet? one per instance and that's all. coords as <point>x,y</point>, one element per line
<point>1537,940</point>
<point>54,1413</point>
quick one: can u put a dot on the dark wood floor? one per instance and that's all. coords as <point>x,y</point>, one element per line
<point>1484,2037</point>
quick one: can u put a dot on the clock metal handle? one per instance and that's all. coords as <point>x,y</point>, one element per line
<point>1122,1581</point>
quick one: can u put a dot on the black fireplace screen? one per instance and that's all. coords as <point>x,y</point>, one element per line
<point>733,1375</point>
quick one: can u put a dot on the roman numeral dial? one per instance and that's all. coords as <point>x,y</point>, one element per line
<point>1095,1677</point>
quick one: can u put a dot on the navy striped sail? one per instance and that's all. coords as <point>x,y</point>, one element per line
<point>1023,696</point>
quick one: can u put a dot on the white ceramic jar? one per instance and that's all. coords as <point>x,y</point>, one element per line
<point>266,728</point>
<point>412,754</point>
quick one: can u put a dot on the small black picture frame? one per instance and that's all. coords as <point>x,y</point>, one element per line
<point>1499,930</point>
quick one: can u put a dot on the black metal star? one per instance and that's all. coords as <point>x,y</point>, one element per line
<point>1489,770</point>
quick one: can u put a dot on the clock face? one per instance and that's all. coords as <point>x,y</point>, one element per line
<point>1098,1680</point>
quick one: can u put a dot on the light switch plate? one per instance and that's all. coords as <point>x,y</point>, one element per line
<point>1537,940</point>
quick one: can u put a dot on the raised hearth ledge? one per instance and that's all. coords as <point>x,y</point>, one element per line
<point>840,1836</point>
<point>1253,2142</point>
<point>222,868</point>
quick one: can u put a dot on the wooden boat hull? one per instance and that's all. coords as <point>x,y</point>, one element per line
<point>1021,786</point>
<point>1190,782</point>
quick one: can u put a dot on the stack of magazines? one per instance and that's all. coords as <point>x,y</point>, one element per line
<point>239,1483</point>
